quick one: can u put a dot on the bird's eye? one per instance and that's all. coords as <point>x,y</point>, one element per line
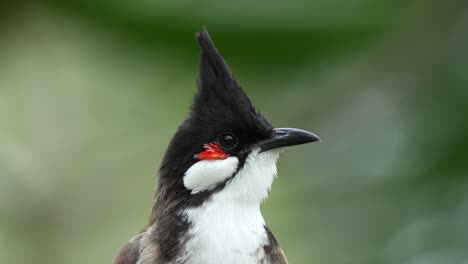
<point>227,140</point>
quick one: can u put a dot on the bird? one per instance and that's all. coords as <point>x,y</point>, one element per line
<point>217,169</point>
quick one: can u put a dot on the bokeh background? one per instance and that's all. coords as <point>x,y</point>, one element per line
<point>91,92</point>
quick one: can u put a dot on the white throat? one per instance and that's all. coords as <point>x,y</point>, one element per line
<point>229,228</point>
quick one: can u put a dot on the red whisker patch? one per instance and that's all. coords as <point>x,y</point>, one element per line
<point>212,152</point>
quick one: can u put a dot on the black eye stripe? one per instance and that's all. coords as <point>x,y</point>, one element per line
<point>227,140</point>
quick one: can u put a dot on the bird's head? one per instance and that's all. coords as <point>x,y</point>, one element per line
<point>225,145</point>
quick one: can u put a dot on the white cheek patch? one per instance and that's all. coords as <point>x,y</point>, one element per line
<point>205,174</point>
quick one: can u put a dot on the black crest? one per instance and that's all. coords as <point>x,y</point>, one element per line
<point>220,98</point>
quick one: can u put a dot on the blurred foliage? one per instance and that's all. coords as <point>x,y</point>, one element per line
<point>91,92</point>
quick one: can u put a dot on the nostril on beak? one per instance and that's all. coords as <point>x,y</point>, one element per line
<point>278,132</point>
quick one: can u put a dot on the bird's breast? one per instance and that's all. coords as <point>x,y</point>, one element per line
<point>221,233</point>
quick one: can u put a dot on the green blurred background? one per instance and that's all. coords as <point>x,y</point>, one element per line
<point>91,92</point>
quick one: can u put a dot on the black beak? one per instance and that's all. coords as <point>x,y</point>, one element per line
<point>284,137</point>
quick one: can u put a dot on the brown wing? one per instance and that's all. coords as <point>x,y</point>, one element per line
<point>273,252</point>
<point>129,253</point>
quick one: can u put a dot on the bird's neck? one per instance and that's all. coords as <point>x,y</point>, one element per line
<point>228,227</point>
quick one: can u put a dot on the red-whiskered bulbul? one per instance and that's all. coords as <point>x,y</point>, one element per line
<point>217,169</point>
